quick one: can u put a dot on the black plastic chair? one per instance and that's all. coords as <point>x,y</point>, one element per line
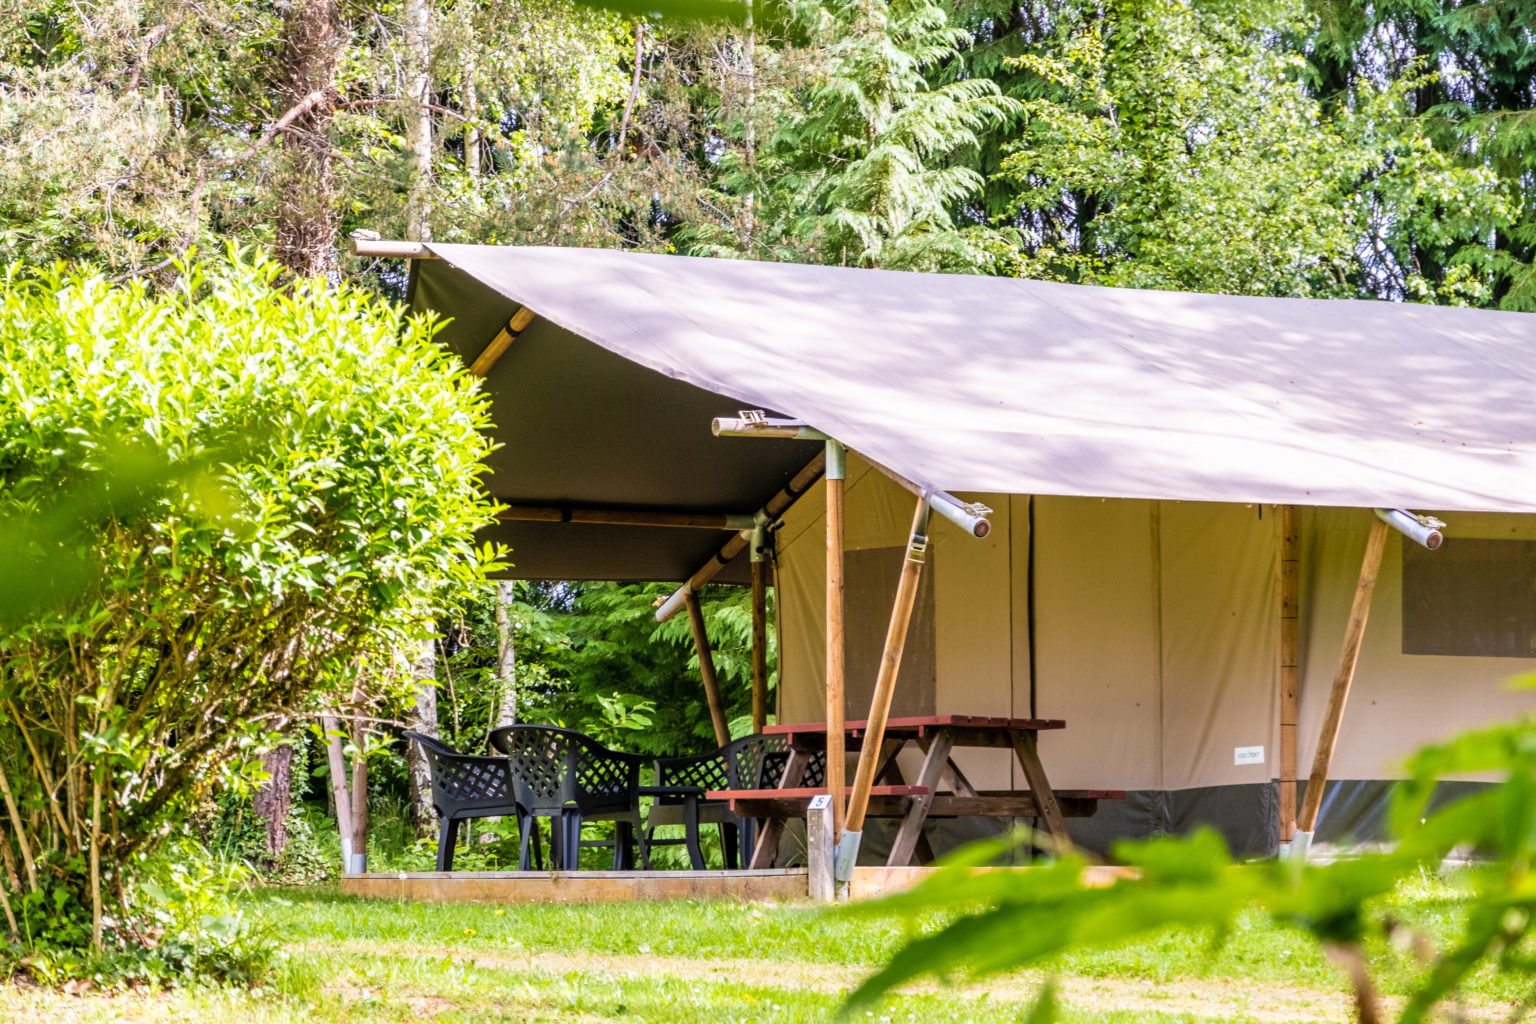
<point>751,762</point>
<point>468,786</point>
<point>681,783</point>
<point>571,779</point>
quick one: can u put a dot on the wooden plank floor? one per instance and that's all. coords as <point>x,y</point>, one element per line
<point>580,886</point>
<point>618,886</point>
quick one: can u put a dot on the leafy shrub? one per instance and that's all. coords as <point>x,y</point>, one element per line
<point>187,926</point>
<point>318,492</point>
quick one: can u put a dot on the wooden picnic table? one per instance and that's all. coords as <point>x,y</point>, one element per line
<point>939,790</point>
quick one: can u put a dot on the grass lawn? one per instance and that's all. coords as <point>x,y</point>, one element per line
<point>367,960</point>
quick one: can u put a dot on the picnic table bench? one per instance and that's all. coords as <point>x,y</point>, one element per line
<point>939,790</point>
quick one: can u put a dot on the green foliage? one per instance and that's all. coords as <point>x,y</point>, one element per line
<point>333,518</point>
<point>231,830</point>
<point>862,168</point>
<point>1471,67</point>
<point>190,925</point>
<point>1192,883</point>
<point>610,658</point>
<point>591,656</point>
<point>1173,145</point>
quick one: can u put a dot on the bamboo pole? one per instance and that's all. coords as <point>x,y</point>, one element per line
<point>759,631</point>
<point>890,665</point>
<point>770,513</point>
<point>625,517</point>
<point>503,340</point>
<point>381,249</point>
<point>707,669</point>
<point>837,767</point>
<point>1354,634</point>
<point>1290,662</point>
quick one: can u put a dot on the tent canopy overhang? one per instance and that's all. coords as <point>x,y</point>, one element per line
<point>960,383</point>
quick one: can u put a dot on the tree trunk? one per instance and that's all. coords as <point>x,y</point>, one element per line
<point>275,798</point>
<point>308,219</point>
<point>423,721</point>
<point>506,660</point>
<point>418,117</point>
<point>360,791</point>
<point>473,140</point>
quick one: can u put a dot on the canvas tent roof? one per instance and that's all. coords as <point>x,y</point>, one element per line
<point>976,384</point>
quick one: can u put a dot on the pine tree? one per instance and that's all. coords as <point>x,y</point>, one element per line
<point>864,166</point>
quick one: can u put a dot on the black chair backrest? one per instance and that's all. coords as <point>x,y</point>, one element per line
<point>758,761</point>
<point>464,781</point>
<point>707,771</point>
<point>559,766</point>
<point>751,761</point>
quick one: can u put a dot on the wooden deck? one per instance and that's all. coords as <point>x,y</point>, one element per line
<point>580,886</point>
<point>620,886</point>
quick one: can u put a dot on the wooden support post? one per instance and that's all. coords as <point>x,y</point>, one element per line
<point>819,849</point>
<point>759,641</point>
<point>837,467</point>
<point>890,664</point>
<point>1290,663</point>
<point>707,669</point>
<point>1354,633</point>
<point>338,766</point>
<point>1026,748</point>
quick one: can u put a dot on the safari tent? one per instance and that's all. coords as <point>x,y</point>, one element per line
<point>1154,508</point>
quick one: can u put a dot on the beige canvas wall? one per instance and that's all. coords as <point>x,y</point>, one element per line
<point>1096,642</point>
<point>1156,624</point>
<point>1220,605</point>
<point>1398,701</point>
<point>1156,634</point>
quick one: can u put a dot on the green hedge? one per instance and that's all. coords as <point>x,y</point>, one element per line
<point>218,504</point>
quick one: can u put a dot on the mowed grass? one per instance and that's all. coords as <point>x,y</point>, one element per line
<point>347,959</point>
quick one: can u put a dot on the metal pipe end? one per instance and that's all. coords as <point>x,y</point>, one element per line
<point>673,602</point>
<point>982,528</point>
<point>1423,530</point>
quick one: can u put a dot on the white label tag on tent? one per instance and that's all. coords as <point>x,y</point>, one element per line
<point>1248,755</point>
<point>821,802</point>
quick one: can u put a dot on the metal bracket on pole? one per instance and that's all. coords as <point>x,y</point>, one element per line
<point>758,545</point>
<point>756,423</point>
<point>847,855</point>
<point>837,459</point>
